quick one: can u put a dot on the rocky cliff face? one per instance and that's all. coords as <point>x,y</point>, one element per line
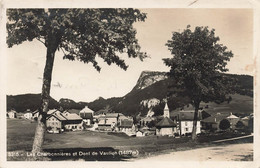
<point>147,78</point>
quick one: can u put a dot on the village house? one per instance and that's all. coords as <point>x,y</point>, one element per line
<point>184,120</point>
<point>76,111</point>
<point>111,121</point>
<point>166,127</point>
<point>73,122</point>
<point>58,121</point>
<point>108,122</point>
<point>87,115</point>
<point>233,119</point>
<point>28,114</point>
<point>126,124</point>
<point>212,122</point>
<point>146,120</point>
<point>247,120</point>
<point>12,114</point>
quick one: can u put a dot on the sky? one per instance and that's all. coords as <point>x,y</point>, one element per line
<point>81,82</point>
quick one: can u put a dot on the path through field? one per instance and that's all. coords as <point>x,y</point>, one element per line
<point>230,152</point>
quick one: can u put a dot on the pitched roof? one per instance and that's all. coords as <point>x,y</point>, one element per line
<point>122,117</point>
<point>126,123</point>
<point>86,110</point>
<point>51,111</point>
<point>165,122</point>
<point>112,115</point>
<point>76,111</point>
<point>73,116</point>
<point>232,116</point>
<point>185,115</point>
<point>147,119</point>
<point>34,112</point>
<point>12,111</point>
<point>58,115</point>
<point>215,118</point>
<point>86,115</point>
<point>63,117</point>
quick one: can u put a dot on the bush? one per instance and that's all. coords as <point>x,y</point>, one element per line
<point>240,125</point>
<point>224,124</point>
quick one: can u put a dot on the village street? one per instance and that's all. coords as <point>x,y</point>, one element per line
<point>230,152</point>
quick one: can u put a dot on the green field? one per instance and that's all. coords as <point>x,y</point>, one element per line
<point>20,135</point>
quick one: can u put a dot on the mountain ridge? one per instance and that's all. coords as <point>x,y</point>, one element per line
<point>148,94</point>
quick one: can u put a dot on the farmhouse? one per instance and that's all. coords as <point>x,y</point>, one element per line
<point>126,125</point>
<point>108,122</point>
<point>212,122</point>
<point>28,114</point>
<point>114,121</point>
<point>166,126</point>
<point>58,121</point>
<point>73,122</point>
<point>87,115</point>
<point>184,121</point>
<point>12,114</point>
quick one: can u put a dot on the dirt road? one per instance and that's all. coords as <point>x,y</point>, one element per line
<point>231,152</point>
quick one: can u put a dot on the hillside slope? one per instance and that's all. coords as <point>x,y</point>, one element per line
<point>27,101</point>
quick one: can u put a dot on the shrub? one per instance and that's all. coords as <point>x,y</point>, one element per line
<point>224,124</point>
<point>240,125</point>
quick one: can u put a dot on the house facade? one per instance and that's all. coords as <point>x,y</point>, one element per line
<point>108,122</point>
<point>187,126</point>
<point>73,122</point>
<point>87,115</point>
<point>184,121</point>
<point>55,123</point>
<point>28,115</point>
<point>58,121</point>
<point>126,125</point>
<point>12,114</point>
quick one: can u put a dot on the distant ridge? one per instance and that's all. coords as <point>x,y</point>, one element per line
<point>148,94</point>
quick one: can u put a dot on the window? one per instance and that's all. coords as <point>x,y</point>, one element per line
<point>186,129</point>
<point>186,123</point>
